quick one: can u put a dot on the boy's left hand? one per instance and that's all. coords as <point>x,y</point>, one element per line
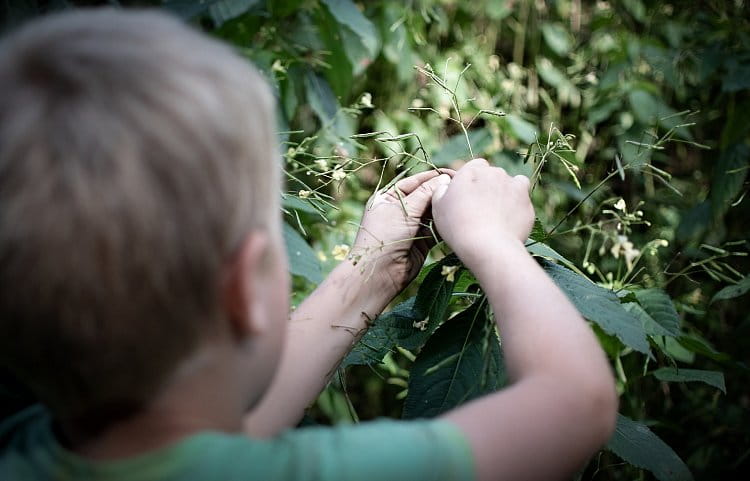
<point>394,236</point>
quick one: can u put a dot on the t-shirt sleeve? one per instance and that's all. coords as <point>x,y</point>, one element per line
<point>387,450</point>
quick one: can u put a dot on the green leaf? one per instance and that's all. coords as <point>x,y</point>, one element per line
<point>340,72</point>
<point>635,443</point>
<point>728,177</point>
<point>391,329</point>
<point>456,147</point>
<point>347,14</point>
<point>225,10</point>
<point>320,96</point>
<point>730,292</point>
<point>540,249</point>
<point>650,326</point>
<point>659,307</point>
<point>282,8</point>
<point>302,259</point>
<point>460,362</point>
<point>557,37</point>
<point>673,374</point>
<point>521,129</point>
<point>599,305</point>
<point>700,346</point>
<point>538,232</point>
<point>434,293</point>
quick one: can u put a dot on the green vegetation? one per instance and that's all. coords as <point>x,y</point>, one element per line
<point>630,117</point>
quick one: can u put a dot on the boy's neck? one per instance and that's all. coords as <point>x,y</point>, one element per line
<point>203,396</point>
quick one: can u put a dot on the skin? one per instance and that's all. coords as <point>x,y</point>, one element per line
<point>561,404</point>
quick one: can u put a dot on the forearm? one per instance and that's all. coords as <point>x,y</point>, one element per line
<point>542,331</point>
<point>321,331</point>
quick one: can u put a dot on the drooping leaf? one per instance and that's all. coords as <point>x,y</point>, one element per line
<point>456,148</point>
<point>659,307</point>
<point>728,177</point>
<point>698,345</point>
<point>434,293</point>
<point>730,292</point>
<point>635,443</point>
<point>599,305</point>
<point>391,329</point>
<point>673,374</point>
<point>539,249</point>
<point>460,362</point>
<point>302,259</point>
<point>346,13</point>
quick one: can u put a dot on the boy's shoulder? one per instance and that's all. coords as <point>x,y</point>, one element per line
<point>383,449</point>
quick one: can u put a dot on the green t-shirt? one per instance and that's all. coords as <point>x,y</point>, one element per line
<point>379,450</point>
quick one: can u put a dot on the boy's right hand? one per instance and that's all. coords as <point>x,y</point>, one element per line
<point>482,206</point>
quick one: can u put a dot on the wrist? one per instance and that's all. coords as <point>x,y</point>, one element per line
<point>493,257</point>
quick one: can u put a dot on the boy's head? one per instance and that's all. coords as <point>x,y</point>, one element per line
<point>136,157</point>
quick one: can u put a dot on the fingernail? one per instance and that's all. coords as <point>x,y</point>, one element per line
<point>444,179</point>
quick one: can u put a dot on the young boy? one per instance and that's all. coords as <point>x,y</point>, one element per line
<point>143,285</point>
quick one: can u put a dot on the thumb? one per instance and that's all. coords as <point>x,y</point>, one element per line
<point>418,201</point>
<point>441,188</point>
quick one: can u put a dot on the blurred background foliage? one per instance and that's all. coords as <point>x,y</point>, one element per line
<point>644,101</point>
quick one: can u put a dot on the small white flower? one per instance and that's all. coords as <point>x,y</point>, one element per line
<point>340,252</point>
<point>304,194</point>
<point>338,174</point>
<point>366,100</point>
<point>620,204</point>
<point>449,272</point>
<point>322,164</point>
<point>421,325</point>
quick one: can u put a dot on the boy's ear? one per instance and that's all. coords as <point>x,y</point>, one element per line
<point>242,294</point>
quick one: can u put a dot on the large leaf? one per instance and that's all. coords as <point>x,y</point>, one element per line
<point>557,38</point>
<point>728,177</point>
<point>601,306</point>
<point>638,445</point>
<point>435,292</point>
<point>460,362</point>
<point>521,129</point>
<point>659,307</point>
<point>346,13</point>
<point>730,292</point>
<point>673,374</point>
<point>302,259</point>
<point>225,10</point>
<point>391,329</point>
<point>339,72</point>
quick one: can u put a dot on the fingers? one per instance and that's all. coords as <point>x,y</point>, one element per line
<point>418,201</point>
<point>409,184</point>
<point>522,181</point>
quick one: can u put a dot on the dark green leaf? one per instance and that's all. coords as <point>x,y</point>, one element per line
<point>435,293</point>
<point>729,175</point>
<point>224,10</point>
<point>730,292</point>
<point>302,259</point>
<point>659,307</point>
<point>599,305</point>
<point>460,362</point>
<point>320,96</point>
<point>347,14</point>
<point>700,346</point>
<point>638,445</point>
<point>673,374</point>
<point>391,329</point>
<point>339,73</point>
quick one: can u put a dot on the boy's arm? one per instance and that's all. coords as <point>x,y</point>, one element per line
<point>561,404</point>
<point>387,254</point>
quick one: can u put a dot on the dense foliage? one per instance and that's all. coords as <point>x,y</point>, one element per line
<point>631,118</point>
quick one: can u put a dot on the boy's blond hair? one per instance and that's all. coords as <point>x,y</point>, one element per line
<point>135,155</point>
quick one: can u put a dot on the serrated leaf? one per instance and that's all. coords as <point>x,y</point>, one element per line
<point>599,305</point>
<point>701,346</point>
<point>434,293</point>
<point>456,148</point>
<point>651,327</point>
<point>730,292</point>
<point>460,362</point>
<point>540,249</point>
<point>635,443</point>
<point>673,374</point>
<point>538,232</point>
<point>658,305</point>
<point>302,259</point>
<point>391,329</point>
